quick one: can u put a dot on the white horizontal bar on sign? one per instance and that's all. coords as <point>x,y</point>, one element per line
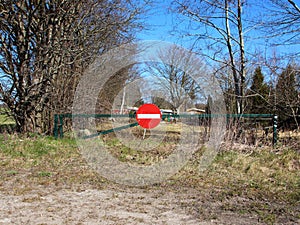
<point>148,116</point>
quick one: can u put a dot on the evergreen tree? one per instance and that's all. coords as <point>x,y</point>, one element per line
<point>287,97</point>
<point>259,93</point>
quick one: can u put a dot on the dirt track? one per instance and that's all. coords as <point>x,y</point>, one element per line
<point>93,207</point>
<point>119,205</point>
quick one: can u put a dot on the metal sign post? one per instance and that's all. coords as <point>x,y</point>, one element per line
<point>275,122</point>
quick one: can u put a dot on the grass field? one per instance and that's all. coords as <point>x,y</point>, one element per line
<point>263,184</point>
<point>7,124</point>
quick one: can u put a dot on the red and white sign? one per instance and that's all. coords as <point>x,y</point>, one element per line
<point>148,116</point>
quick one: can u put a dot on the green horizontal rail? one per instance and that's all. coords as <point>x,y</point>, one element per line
<point>110,130</point>
<point>166,115</point>
<point>219,115</point>
<point>97,115</point>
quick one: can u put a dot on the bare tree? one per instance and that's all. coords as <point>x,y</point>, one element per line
<point>44,47</point>
<point>219,23</point>
<point>282,22</point>
<point>172,76</point>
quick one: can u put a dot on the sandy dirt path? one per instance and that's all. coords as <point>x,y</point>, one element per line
<point>45,205</point>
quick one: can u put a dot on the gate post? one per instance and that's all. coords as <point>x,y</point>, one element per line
<point>55,130</point>
<point>61,125</point>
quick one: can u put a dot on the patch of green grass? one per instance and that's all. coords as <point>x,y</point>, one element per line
<point>4,119</point>
<point>44,174</point>
<point>26,147</point>
<point>267,217</point>
<point>43,160</point>
<point>11,172</point>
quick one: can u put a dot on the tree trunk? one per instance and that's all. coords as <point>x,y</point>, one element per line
<point>242,56</point>
<point>237,86</point>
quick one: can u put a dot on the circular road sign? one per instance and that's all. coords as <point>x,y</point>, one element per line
<point>148,116</point>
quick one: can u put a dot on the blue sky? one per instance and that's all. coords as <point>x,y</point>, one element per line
<point>161,23</point>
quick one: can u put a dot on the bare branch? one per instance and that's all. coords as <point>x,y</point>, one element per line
<point>294,5</point>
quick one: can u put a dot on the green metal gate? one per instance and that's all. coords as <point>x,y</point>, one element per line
<point>59,121</point>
